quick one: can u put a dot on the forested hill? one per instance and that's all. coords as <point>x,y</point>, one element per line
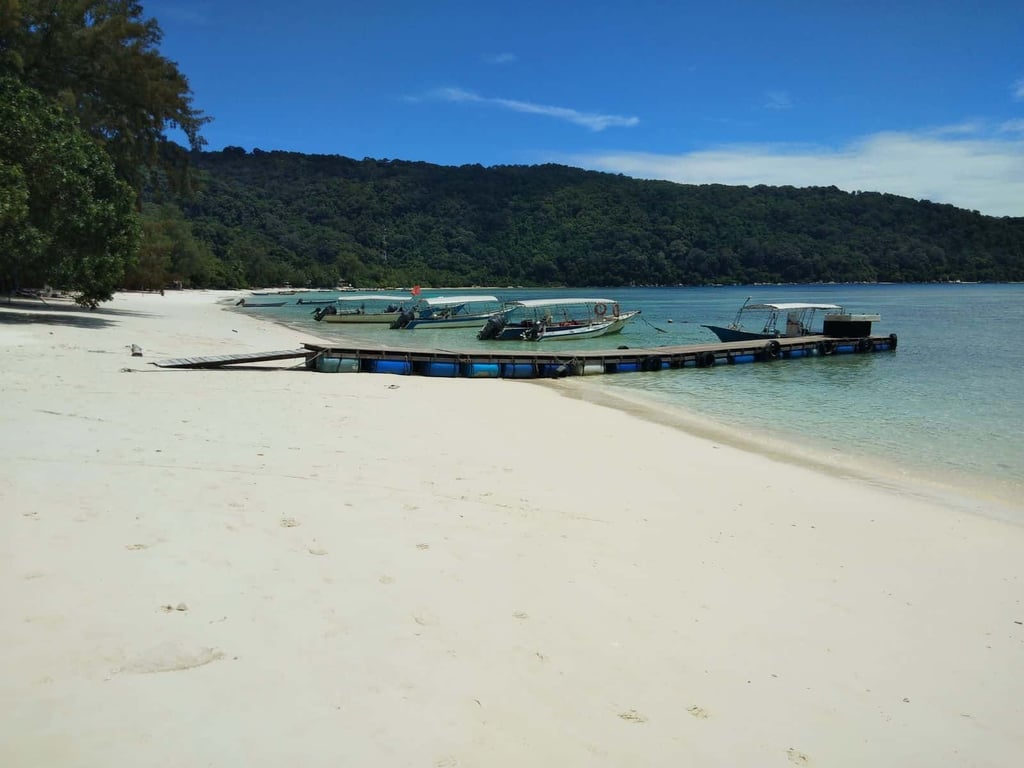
<point>266,218</point>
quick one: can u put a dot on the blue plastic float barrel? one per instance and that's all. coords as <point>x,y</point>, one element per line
<point>481,370</point>
<point>623,367</point>
<point>518,370</point>
<point>553,370</point>
<point>435,368</point>
<point>332,364</point>
<point>401,367</point>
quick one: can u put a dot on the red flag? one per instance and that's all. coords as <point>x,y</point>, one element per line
<point>415,290</point>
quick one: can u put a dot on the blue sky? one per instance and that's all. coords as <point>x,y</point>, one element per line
<point>923,99</point>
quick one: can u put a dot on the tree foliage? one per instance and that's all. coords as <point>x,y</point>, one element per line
<point>65,217</point>
<point>275,217</point>
<point>87,101</point>
<point>99,60</point>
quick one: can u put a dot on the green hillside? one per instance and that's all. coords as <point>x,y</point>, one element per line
<point>266,218</point>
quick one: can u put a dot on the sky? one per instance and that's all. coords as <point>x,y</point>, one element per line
<point>920,99</point>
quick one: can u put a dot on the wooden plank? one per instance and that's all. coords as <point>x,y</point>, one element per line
<point>218,361</point>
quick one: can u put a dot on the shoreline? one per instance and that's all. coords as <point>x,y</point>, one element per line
<point>261,566</point>
<point>971,493</point>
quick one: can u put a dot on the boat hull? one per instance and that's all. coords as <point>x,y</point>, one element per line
<point>565,332</point>
<point>736,334</point>
<point>384,318</point>
<point>469,321</point>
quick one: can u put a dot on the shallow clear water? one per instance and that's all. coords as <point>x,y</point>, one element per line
<point>948,405</point>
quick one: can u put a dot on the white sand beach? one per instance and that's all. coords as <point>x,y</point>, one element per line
<point>284,568</point>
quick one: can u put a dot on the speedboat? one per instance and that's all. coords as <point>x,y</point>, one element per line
<point>362,308</point>
<point>259,304</point>
<point>449,312</point>
<point>774,321</point>
<point>556,319</point>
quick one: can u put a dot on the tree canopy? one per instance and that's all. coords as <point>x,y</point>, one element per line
<point>275,217</point>
<point>87,100</point>
<point>99,60</point>
<point>65,217</point>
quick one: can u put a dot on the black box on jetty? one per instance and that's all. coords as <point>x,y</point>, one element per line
<point>848,326</point>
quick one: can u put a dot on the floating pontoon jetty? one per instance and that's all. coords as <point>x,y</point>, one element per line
<point>542,361</point>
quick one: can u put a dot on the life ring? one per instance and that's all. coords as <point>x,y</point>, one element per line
<point>600,309</point>
<point>773,349</point>
<point>865,345</point>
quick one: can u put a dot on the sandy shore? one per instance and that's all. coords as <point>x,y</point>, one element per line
<point>276,567</point>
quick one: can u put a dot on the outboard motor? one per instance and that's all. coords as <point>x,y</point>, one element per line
<point>321,312</point>
<point>494,326</point>
<point>403,319</point>
<point>534,332</point>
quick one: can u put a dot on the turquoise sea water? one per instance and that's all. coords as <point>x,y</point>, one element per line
<point>947,407</point>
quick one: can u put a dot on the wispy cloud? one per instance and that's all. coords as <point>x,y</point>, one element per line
<point>593,121</point>
<point>983,171</point>
<point>1018,90</point>
<point>777,100</point>
<point>501,58</point>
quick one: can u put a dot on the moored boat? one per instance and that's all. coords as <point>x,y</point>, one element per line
<point>259,304</point>
<point>556,319</point>
<point>362,308</point>
<point>774,321</point>
<point>449,312</point>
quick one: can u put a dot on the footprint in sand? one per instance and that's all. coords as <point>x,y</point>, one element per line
<point>290,522</point>
<point>699,712</point>
<point>796,757</point>
<point>136,547</point>
<point>172,660</point>
<point>632,716</point>
<point>319,551</point>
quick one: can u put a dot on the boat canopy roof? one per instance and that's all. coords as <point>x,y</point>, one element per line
<point>791,306</point>
<point>446,301</point>
<point>560,302</point>
<point>372,297</point>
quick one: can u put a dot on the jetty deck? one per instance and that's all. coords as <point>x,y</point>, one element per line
<point>544,361</point>
<point>521,361</point>
<point>547,361</point>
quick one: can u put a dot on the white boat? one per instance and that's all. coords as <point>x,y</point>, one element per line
<point>556,319</point>
<point>773,321</point>
<point>363,308</point>
<point>449,312</point>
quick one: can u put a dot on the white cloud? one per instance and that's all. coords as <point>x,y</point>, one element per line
<point>976,172</point>
<point>1018,90</point>
<point>501,58</point>
<point>594,122</point>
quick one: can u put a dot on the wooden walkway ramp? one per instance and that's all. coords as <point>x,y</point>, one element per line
<point>219,361</point>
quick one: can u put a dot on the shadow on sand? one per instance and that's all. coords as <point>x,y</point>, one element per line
<point>18,312</point>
